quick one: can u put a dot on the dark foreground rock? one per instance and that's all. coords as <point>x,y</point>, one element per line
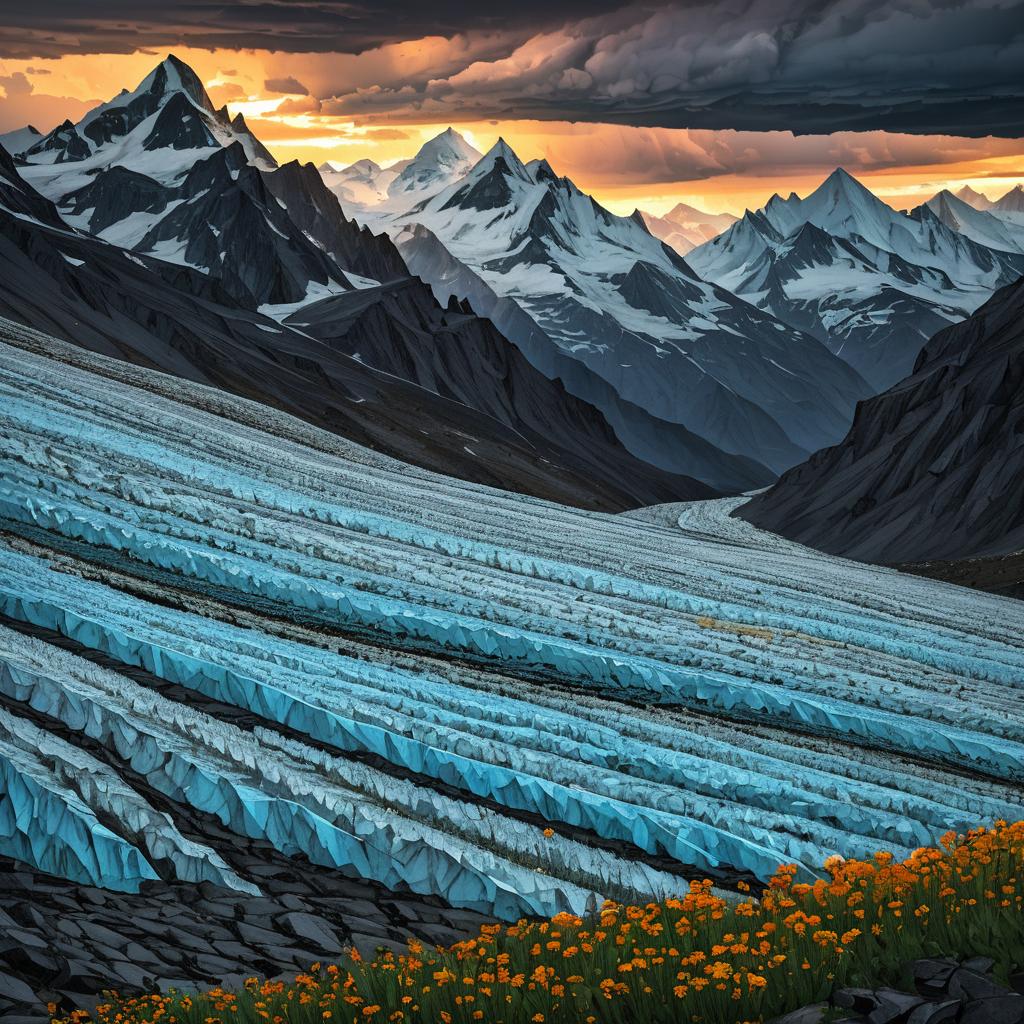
<point>67,943</point>
<point>945,991</point>
<point>998,574</point>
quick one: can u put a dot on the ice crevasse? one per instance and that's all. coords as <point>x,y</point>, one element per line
<point>692,693</point>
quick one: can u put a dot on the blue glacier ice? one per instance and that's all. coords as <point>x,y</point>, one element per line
<point>698,692</point>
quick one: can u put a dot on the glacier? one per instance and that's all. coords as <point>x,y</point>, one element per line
<point>425,672</point>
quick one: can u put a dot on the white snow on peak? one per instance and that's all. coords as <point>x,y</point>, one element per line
<point>606,292</point>
<point>440,161</point>
<point>20,139</point>
<point>170,78</point>
<point>842,206</point>
<point>685,227</point>
<point>845,265</point>
<point>363,183</point>
<point>366,185</point>
<point>982,226</point>
<point>973,198</point>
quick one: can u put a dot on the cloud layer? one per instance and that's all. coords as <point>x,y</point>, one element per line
<point>810,66</point>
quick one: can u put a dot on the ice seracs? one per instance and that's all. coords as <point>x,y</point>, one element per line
<point>673,697</point>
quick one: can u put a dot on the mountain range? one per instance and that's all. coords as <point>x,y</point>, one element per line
<point>685,227</point>
<point>991,226</point>
<point>483,316</point>
<point>1009,206</point>
<point>597,300</point>
<point>439,161</point>
<point>870,283</point>
<point>158,172</point>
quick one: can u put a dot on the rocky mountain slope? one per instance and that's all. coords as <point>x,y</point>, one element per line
<point>932,468</point>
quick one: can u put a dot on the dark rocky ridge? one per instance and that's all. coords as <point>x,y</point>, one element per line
<point>932,469</point>
<point>17,197</point>
<point>401,330</point>
<point>315,210</point>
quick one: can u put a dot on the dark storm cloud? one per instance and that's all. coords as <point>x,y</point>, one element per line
<point>810,66</point>
<point>287,85</point>
<point>51,28</point>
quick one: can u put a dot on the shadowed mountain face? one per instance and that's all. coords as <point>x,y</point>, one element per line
<point>932,468</point>
<point>656,440</point>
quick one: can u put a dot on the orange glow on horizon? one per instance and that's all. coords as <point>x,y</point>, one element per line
<point>595,156</point>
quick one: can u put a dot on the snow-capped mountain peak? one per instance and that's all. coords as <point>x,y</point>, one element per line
<point>1012,202</point>
<point>541,170</point>
<point>448,148</point>
<point>842,206</point>
<point>685,227</point>
<point>17,141</point>
<point>597,299</point>
<point>984,227</point>
<point>973,198</point>
<point>159,128</point>
<point>363,183</point>
<point>364,167</point>
<point>440,161</point>
<point>171,75</point>
<point>503,157</point>
<point>871,283</point>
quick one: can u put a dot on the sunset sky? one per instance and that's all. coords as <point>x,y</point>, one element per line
<point>642,105</point>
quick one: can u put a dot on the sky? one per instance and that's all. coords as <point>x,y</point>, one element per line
<point>647,104</point>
